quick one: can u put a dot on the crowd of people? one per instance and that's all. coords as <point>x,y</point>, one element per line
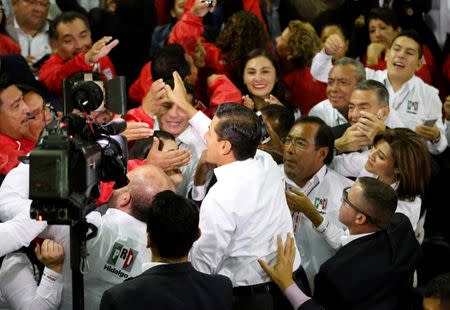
<point>281,154</point>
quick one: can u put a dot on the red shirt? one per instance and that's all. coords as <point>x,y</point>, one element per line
<point>142,85</point>
<point>303,90</point>
<point>138,115</point>
<point>10,150</point>
<point>55,70</point>
<point>8,45</point>
<point>222,90</point>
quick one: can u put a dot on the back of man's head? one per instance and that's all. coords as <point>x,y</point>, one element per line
<point>172,225</point>
<point>145,182</point>
<point>241,127</point>
<point>377,88</point>
<point>168,59</point>
<point>280,118</point>
<point>380,201</point>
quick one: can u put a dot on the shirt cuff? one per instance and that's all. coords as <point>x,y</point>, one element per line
<point>50,277</point>
<point>295,296</point>
<point>198,192</point>
<point>323,226</point>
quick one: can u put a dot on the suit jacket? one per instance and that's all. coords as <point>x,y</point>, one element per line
<point>172,286</point>
<point>372,272</point>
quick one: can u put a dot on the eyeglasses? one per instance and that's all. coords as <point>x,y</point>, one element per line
<point>43,4</point>
<point>46,106</point>
<point>297,142</point>
<point>357,209</point>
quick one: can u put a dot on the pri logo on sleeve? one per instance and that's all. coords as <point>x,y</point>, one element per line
<point>321,204</point>
<point>121,260</point>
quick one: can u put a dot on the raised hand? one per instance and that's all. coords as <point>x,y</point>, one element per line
<point>51,254</point>
<point>167,160</point>
<point>100,49</point>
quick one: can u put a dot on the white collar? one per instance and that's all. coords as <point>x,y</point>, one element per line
<point>146,266</point>
<point>43,30</point>
<point>312,183</point>
<point>346,239</point>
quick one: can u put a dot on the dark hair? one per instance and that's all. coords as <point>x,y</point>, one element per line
<point>359,73</point>
<point>240,126</point>
<point>65,17</point>
<point>411,158</point>
<point>172,224</point>
<point>324,136</point>
<point>5,82</point>
<point>413,35</point>
<point>242,33</point>
<point>141,147</point>
<point>438,287</point>
<point>378,88</point>
<point>381,200</point>
<point>303,43</point>
<point>168,59</point>
<point>3,21</point>
<point>283,117</point>
<point>386,15</point>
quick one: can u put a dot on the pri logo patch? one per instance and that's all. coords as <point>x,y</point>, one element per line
<point>121,259</point>
<point>321,204</point>
<point>412,107</point>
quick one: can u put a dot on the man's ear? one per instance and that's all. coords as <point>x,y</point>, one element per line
<point>149,240</point>
<point>198,234</point>
<point>360,219</point>
<point>323,152</point>
<point>225,147</point>
<point>53,45</point>
<point>383,112</point>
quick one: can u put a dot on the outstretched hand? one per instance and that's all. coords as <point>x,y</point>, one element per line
<point>100,49</point>
<point>167,160</point>
<point>281,273</point>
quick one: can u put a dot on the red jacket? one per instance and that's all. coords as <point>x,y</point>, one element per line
<point>303,90</point>
<point>55,70</point>
<point>188,29</point>
<point>141,86</point>
<point>10,151</point>
<point>8,45</point>
<point>138,115</point>
<point>222,90</point>
<point>251,6</point>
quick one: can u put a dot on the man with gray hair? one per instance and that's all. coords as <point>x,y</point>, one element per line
<point>341,82</point>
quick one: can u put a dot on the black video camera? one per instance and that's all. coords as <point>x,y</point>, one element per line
<point>74,154</point>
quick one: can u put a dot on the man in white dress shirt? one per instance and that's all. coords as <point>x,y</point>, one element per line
<point>29,27</point>
<point>308,149</point>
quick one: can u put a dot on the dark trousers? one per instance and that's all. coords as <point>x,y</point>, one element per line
<point>267,296</point>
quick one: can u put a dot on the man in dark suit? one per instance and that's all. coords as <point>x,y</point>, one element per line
<point>374,267</point>
<point>170,281</point>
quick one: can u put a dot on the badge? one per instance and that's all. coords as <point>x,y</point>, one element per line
<point>321,204</point>
<point>412,107</point>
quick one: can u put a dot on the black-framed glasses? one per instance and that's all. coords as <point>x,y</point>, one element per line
<point>357,209</point>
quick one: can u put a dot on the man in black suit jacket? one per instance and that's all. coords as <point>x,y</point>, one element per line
<point>170,282</point>
<point>373,269</point>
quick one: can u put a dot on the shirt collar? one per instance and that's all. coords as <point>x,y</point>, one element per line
<point>346,239</point>
<point>227,169</point>
<point>146,266</point>
<point>43,30</point>
<point>405,87</point>
<point>184,136</point>
<point>316,179</point>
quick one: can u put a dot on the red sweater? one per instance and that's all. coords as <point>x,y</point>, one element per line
<point>141,86</point>
<point>8,45</point>
<point>10,150</point>
<point>55,70</point>
<point>138,115</point>
<point>303,90</point>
